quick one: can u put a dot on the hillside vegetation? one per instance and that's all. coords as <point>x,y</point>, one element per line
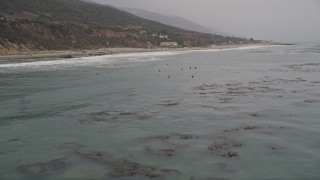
<point>72,24</point>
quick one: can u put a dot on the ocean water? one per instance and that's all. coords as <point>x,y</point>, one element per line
<point>245,113</point>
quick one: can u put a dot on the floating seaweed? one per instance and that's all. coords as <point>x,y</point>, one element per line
<point>169,103</point>
<point>208,178</point>
<point>125,168</point>
<point>71,146</point>
<point>49,167</point>
<point>102,157</point>
<point>113,116</point>
<point>121,167</point>
<point>161,152</point>
<point>173,136</point>
<point>185,136</point>
<point>223,167</point>
<point>226,148</point>
<point>10,140</point>
<point>274,147</point>
<point>160,137</point>
<point>310,101</point>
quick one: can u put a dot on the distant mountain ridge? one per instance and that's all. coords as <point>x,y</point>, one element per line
<point>73,24</point>
<point>89,1</point>
<point>169,20</point>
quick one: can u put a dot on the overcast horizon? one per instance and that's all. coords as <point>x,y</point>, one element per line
<point>285,20</point>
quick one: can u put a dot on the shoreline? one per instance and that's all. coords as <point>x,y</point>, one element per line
<point>20,57</point>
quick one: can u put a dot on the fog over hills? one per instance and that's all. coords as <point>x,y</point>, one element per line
<point>285,20</point>
<point>170,20</point>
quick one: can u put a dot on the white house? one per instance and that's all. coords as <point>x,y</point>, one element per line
<point>163,36</point>
<point>169,44</point>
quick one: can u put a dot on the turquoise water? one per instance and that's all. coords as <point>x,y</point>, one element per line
<point>248,113</point>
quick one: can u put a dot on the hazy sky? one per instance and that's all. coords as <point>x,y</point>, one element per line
<point>280,20</point>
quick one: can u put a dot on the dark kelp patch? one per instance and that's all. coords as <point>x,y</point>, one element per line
<point>122,167</point>
<point>10,141</point>
<point>161,152</point>
<point>105,116</point>
<point>180,136</point>
<point>216,178</point>
<point>315,82</point>
<point>310,101</point>
<point>184,136</point>
<point>225,93</point>
<point>251,128</point>
<point>226,148</point>
<point>53,166</point>
<point>172,141</point>
<point>274,147</point>
<point>245,128</point>
<point>96,156</point>
<point>208,178</point>
<point>168,170</point>
<point>223,167</point>
<point>71,146</point>
<point>160,137</point>
<point>307,67</point>
<point>169,103</point>
<point>125,168</point>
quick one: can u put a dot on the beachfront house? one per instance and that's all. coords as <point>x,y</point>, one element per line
<point>169,44</point>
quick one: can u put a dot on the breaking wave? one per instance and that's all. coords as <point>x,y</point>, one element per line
<point>113,60</point>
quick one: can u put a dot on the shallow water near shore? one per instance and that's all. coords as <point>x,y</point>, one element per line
<point>247,113</point>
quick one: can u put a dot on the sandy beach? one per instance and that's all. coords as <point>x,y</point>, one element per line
<point>61,54</point>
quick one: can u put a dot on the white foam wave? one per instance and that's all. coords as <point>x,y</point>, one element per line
<point>232,49</point>
<point>115,59</point>
<point>256,47</point>
<point>95,60</point>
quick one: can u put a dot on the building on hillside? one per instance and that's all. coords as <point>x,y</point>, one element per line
<point>154,35</point>
<point>161,36</point>
<point>2,18</point>
<point>143,32</point>
<point>169,44</point>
